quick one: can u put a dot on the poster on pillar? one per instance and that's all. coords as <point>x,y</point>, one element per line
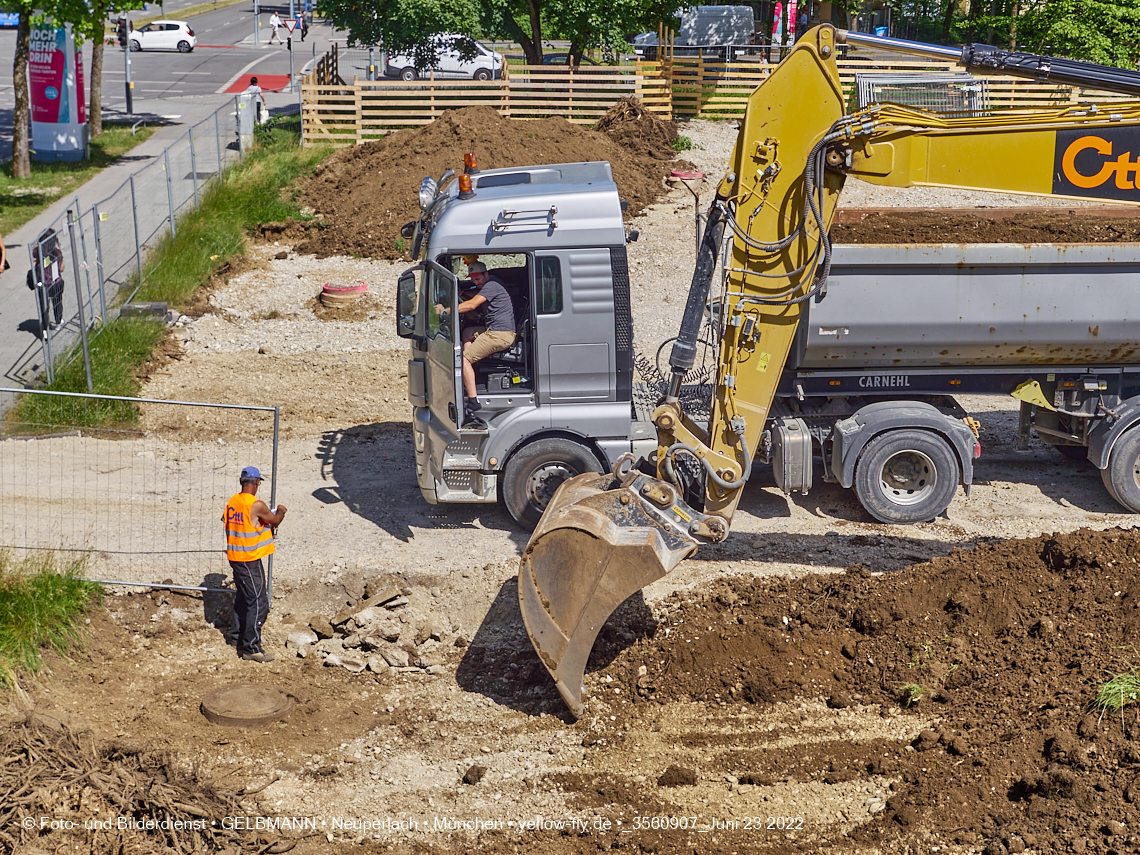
<point>59,114</point>
<point>780,35</point>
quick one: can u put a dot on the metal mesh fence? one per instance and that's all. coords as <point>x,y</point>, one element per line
<point>138,486</point>
<point>104,247</point>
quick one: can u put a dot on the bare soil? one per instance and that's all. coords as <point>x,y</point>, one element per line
<point>818,682</point>
<point>1077,225</point>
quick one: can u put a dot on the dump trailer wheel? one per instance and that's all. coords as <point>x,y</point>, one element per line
<point>536,471</point>
<point>1122,475</point>
<point>906,476</point>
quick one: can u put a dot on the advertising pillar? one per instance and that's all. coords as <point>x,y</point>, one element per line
<point>59,114</point>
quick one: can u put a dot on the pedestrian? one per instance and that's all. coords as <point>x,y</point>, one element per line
<point>45,279</point>
<point>249,526</point>
<point>274,25</point>
<point>303,24</point>
<point>259,106</point>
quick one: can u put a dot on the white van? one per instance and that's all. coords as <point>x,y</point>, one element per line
<point>698,26</point>
<point>486,64</point>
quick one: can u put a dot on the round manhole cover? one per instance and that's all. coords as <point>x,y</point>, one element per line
<point>246,705</point>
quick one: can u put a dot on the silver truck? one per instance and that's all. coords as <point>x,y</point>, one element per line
<point>901,332</point>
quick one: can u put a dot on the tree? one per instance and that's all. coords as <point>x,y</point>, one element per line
<point>405,26</point>
<point>1094,30</point>
<point>94,27</point>
<point>32,13</point>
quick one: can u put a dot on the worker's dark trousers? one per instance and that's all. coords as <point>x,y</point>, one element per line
<point>251,606</point>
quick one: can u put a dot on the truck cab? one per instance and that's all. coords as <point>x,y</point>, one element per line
<point>558,402</point>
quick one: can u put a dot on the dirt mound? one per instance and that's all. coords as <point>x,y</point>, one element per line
<point>365,193</point>
<point>1004,645</point>
<point>629,123</point>
<point>1048,225</point>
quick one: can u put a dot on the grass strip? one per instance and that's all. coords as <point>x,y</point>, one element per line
<point>42,607</point>
<point>23,199</point>
<point>253,193</point>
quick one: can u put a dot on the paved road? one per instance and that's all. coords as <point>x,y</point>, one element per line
<point>172,89</point>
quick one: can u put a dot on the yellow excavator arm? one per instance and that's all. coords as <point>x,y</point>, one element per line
<point>602,538</point>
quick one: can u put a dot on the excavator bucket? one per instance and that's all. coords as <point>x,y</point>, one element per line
<point>602,539</point>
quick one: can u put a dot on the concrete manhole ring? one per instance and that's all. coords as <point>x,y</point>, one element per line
<point>246,705</point>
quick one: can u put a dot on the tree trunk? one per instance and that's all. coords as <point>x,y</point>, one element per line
<point>21,161</point>
<point>95,105</point>
<point>534,52</point>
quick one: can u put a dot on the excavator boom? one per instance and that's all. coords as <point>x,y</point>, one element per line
<point>603,538</point>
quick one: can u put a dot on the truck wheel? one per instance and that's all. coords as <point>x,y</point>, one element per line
<point>482,74</point>
<point>906,476</point>
<point>408,74</point>
<point>1122,476</point>
<point>531,477</point>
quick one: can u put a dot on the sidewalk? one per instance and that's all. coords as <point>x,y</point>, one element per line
<point>20,348</point>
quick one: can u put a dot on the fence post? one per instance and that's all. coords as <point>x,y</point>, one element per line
<point>237,128</point>
<point>99,260</point>
<point>218,140</point>
<point>193,167</point>
<point>135,217</point>
<point>79,299</point>
<point>87,271</point>
<point>273,500</point>
<point>169,189</point>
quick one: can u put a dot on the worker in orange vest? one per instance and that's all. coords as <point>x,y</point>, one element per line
<point>249,526</point>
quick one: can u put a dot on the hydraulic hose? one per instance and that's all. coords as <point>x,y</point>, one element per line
<point>684,353</point>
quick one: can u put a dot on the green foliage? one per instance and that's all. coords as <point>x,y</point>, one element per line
<point>911,693</point>
<point>1119,692</point>
<point>1093,30</point>
<point>41,607</point>
<point>405,26</point>
<point>683,143</point>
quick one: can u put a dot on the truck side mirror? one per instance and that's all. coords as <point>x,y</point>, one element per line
<point>408,229</point>
<point>407,303</point>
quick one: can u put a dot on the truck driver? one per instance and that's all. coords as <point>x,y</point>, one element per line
<point>482,340</point>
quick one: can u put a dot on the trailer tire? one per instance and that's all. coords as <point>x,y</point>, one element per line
<point>1122,475</point>
<point>906,476</point>
<point>535,472</point>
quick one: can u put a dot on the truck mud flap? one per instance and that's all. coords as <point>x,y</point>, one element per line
<point>598,543</point>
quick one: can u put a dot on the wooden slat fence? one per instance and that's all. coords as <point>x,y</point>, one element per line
<point>348,114</point>
<point>678,87</point>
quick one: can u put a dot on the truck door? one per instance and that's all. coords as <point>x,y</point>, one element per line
<point>444,352</point>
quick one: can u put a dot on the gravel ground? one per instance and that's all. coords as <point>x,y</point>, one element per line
<point>394,745</point>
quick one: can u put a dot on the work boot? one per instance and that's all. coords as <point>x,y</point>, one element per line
<point>258,657</point>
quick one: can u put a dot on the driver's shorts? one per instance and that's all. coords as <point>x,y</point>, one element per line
<point>485,342</point>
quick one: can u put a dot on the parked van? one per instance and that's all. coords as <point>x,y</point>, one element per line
<point>486,64</point>
<point>699,26</point>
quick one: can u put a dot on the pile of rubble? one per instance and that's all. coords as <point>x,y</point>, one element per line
<point>379,633</point>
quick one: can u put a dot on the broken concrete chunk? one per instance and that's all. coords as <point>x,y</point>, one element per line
<point>377,665</point>
<point>329,646</point>
<point>353,641</point>
<point>332,660</point>
<point>395,657</point>
<point>428,659</point>
<point>396,603</point>
<point>353,662</point>
<point>321,626</point>
<point>382,598</point>
<point>378,588</point>
<point>300,638</point>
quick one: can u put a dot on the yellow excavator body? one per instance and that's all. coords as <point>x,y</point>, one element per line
<point>604,537</point>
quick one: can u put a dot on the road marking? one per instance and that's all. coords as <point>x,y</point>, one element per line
<point>237,77</point>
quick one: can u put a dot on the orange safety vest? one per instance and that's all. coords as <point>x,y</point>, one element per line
<point>246,540</point>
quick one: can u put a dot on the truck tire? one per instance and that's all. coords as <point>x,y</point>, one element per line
<point>408,74</point>
<point>906,476</point>
<point>1122,475</point>
<point>531,477</point>
<point>482,74</point>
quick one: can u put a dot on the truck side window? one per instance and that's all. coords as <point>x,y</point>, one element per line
<point>441,310</point>
<point>549,286</point>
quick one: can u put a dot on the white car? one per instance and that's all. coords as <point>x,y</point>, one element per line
<point>486,64</point>
<point>164,35</point>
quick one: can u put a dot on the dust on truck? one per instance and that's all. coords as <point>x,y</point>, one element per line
<point>557,403</point>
